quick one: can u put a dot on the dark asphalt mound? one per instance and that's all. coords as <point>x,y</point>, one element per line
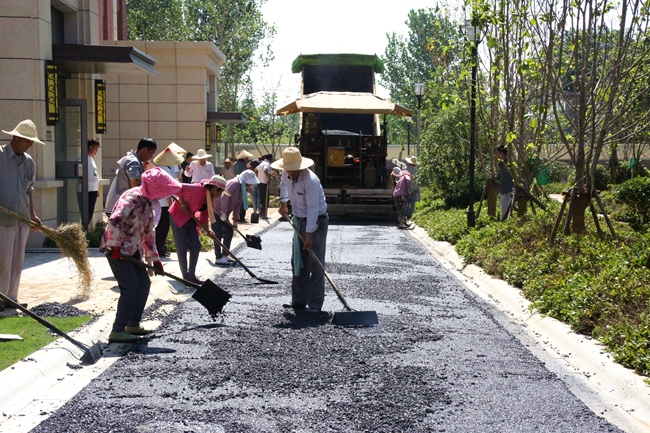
<point>56,309</point>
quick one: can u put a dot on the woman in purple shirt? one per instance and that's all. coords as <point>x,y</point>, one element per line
<point>401,195</point>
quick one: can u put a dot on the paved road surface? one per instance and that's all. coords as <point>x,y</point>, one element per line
<point>438,361</point>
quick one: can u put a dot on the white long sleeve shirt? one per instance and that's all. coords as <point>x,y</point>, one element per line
<point>199,172</point>
<point>306,196</point>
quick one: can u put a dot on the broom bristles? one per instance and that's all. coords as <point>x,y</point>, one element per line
<point>72,241</point>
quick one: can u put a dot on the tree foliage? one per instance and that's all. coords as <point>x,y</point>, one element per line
<point>428,54</point>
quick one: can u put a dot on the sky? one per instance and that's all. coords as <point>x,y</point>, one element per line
<point>331,26</point>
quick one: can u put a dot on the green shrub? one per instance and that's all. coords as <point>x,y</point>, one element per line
<point>634,194</point>
<point>560,172</point>
<point>601,178</point>
<point>456,194</point>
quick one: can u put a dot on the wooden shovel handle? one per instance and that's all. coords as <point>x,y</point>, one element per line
<point>320,265</point>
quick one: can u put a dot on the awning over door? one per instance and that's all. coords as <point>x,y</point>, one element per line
<point>344,102</point>
<point>102,59</point>
<point>226,117</point>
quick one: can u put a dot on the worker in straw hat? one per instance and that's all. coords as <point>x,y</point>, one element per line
<point>223,231</point>
<point>303,189</point>
<point>412,167</point>
<point>200,168</point>
<point>17,177</point>
<point>168,160</point>
<point>234,197</point>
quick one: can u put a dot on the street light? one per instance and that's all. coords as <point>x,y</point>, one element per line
<point>470,31</point>
<point>419,91</point>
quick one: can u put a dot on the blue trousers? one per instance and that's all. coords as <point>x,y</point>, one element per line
<point>186,239</point>
<point>224,232</point>
<point>134,284</point>
<point>308,288</point>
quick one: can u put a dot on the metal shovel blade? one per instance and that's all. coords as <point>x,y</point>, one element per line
<point>212,297</point>
<point>355,318</point>
<point>92,354</point>
<point>253,241</point>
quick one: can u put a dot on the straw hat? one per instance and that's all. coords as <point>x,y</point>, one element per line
<point>227,160</point>
<point>215,180</point>
<point>201,155</point>
<point>292,160</point>
<point>412,160</point>
<point>168,157</point>
<point>25,129</point>
<point>244,154</point>
<point>176,148</point>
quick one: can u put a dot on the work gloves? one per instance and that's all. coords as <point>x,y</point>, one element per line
<point>158,267</point>
<point>115,254</point>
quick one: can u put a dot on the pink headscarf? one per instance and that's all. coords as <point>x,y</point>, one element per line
<point>157,184</point>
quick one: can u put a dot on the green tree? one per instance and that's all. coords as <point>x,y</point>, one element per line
<point>236,27</point>
<point>428,54</point>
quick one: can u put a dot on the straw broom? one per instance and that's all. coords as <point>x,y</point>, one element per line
<point>71,239</point>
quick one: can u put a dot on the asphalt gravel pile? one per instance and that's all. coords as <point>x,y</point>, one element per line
<point>56,309</point>
<point>437,362</point>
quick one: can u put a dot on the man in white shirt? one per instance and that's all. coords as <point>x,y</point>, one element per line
<point>200,168</point>
<point>264,173</point>
<point>303,189</point>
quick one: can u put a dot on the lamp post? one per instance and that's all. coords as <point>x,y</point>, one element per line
<point>471,36</point>
<point>419,91</point>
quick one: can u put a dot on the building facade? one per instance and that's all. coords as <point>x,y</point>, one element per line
<point>68,66</point>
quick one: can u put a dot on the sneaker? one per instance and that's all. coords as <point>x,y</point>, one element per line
<point>231,260</point>
<point>122,337</point>
<point>223,261</point>
<point>294,306</point>
<point>137,330</point>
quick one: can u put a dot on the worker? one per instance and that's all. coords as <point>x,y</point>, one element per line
<point>200,168</point>
<point>232,199</point>
<point>17,177</point>
<point>240,165</point>
<point>130,232</point>
<point>129,171</point>
<point>222,230</point>
<point>401,195</point>
<point>303,189</point>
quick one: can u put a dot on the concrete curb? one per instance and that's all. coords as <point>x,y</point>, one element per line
<point>609,389</point>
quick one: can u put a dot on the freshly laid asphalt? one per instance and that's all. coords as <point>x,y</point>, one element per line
<point>455,351</point>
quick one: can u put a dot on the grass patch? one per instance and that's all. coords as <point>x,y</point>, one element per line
<point>35,336</point>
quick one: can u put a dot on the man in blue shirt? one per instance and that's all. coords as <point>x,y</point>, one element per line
<point>303,189</point>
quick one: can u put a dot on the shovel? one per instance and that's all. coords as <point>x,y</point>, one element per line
<point>208,294</point>
<point>252,241</point>
<point>91,355</point>
<point>344,318</point>
<point>214,238</point>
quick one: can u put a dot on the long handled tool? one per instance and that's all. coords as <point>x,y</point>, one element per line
<point>214,238</point>
<point>91,355</point>
<point>252,241</point>
<point>208,294</point>
<point>344,318</point>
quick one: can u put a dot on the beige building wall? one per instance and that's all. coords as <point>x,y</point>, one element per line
<point>169,107</point>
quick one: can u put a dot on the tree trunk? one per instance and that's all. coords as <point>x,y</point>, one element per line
<point>522,204</point>
<point>580,205</point>
<point>492,188</point>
